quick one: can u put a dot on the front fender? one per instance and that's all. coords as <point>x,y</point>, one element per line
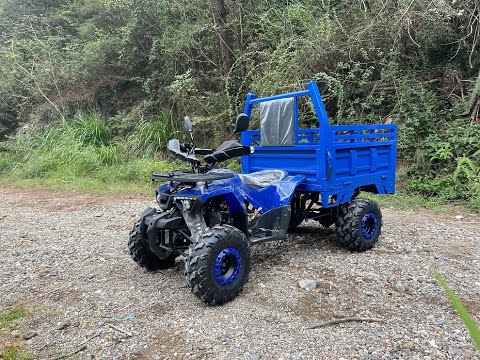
<point>156,229</point>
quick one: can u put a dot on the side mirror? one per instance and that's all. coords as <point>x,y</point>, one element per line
<point>188,124</point>
<point>241,124</point>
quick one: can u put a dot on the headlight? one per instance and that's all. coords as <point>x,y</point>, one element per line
<point>187,204</point>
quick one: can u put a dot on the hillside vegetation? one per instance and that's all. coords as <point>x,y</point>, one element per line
<point>94,88</point>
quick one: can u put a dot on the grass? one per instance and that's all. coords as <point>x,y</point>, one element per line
<point>14,351</point>
<point>404,201</point>
<point>9,320</point>
<point>10,317</point>
<point>82,154</point>
<point>467,319</point>
<point>132,178</point>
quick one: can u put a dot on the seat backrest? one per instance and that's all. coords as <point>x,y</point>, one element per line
<point>277,122</point>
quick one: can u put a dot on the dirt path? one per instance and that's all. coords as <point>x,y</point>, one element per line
<point>65,254</point>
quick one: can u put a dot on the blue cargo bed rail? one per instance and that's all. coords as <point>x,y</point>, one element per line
<point>336,160</point>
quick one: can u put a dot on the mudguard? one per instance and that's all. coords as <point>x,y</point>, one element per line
<point>156,228</point>
<point>275,195</point>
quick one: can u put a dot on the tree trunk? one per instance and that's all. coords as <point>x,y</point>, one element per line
<point>220,21</point>
<point>473,107</point>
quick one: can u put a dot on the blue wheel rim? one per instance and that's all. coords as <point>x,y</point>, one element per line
<point>227,266</point>
<point>369,225</point>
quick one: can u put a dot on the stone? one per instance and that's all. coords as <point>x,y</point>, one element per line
<point>29,334</point>
<point>400,287</point>
<point>308,284</point>
<point>64,324</point>
<point>15,333</point>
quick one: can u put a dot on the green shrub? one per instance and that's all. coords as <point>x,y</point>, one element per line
<point>151,136</point>
<point>84,148</point>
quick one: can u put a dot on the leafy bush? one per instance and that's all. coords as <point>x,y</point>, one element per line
<point>151,137</point>
<point>83,147</point>
<point>451,168</point>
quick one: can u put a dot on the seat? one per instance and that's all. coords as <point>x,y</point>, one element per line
<point>262,178</point>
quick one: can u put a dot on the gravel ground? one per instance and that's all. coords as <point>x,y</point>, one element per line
<point>64,256</point>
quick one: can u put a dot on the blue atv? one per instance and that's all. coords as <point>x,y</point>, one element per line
<point>213,216</point>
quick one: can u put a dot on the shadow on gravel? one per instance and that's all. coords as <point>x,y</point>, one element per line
<point>299,240</point>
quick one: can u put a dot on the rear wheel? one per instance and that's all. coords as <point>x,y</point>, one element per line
<point>359,224</point>
<point>218,265</point>
<point>141,253</point>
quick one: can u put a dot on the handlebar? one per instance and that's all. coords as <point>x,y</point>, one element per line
<point>198,151</point>
<point>228,150</point>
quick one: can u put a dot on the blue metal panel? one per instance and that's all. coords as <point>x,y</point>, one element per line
<point>281,96</point>
<point>295,120</point>
<point>334,159</point>
<point>270,197</point>
<point>249,104</point>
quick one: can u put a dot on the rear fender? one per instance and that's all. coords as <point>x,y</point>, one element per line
<point>276,195</point>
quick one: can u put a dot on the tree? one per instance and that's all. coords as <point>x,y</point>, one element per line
<point>220,14</point>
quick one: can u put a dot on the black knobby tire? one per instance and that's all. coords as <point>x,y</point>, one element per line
<point>205,272</point>
<point>359,224</point>
<point>141,253</point>
<point>297,209</point>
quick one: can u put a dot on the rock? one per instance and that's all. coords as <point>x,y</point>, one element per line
<point>256,357</point>
<point>307,284</point>
<point>458,217</point>
<point>15,333</point>
<point>29,334</point>
<point>400,287</point>
<point>64,324</point>
<point>410,250</point>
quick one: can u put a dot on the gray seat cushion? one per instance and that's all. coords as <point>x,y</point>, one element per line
<point>262,178</point>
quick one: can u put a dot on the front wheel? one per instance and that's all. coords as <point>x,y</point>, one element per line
<point>218,265</point>
<point>141,253</point>
<point>359,224</point>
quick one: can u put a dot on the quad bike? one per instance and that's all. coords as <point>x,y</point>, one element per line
<point>213,217</point>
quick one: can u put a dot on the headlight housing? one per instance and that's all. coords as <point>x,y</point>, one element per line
<point>187,203</point>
